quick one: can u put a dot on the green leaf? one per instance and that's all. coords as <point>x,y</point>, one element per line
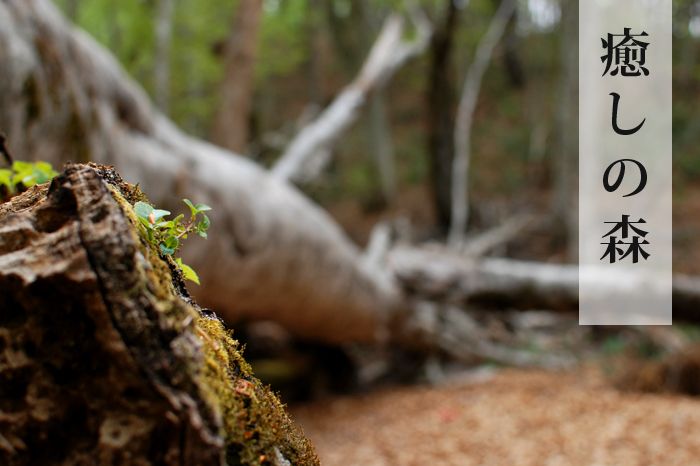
<point>159,213</point>
<point>142,209</point>
<point>193,209</point>
<point>166,251</point>
<point>187,271</point>
<point>6,178</point>
<point>24,173</point>
<point>205,223</point>
<point>43,172</point>
<point>22,178</point>
<point>203,226</point>
<point>19,166</point>
<point>144,221</point>
<point>168,234</point>
<point>169,245</point>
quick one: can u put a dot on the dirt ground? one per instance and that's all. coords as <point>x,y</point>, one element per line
<point>515,418</point>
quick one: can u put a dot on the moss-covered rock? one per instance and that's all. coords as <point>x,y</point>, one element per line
<point>104,357</point>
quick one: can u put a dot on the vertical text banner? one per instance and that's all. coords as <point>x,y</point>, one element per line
<point>625,149</point>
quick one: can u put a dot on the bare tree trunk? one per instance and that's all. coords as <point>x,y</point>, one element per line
<point>271,253</point>
<point>465,117</point>
<point>565,161</point>
<point>232,121</point>
<point>440,103</point>
<point>164,27</point>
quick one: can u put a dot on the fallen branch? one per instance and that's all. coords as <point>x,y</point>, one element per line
<point>438,273</point>
<point>498,236</point>
<point>453,331</point>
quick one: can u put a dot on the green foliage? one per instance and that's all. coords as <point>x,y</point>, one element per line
<point>23,175</point>
<point>283,37</point>
<point>167,235</point>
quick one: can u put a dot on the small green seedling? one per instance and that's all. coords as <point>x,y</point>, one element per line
<point>23,175</point>
<point>167,235</point>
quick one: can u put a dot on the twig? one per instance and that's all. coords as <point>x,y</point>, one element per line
<point>501,234</point>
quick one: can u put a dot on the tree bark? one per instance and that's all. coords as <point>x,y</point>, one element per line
<point>271,253</point>
<point>440,103</point>
<point>104,358</point>
<point>565,161</point>
<point>232,121</point>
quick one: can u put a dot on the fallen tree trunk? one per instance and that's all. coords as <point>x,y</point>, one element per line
<point>442,275</point>
<point>272,253</point>
<point>104,358</point>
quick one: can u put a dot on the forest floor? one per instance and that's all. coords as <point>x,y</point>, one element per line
<point>515,418</point>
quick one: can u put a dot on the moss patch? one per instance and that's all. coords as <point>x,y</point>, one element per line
<point>254,423</point>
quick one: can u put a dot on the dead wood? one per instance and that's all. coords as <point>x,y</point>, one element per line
<point>441,274</point>
<point>104,357</point>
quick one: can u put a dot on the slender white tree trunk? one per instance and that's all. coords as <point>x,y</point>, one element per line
<point>465,119</point>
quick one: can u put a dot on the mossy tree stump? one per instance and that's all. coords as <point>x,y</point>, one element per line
<point>104,358</point>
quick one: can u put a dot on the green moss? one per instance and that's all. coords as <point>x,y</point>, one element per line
<point>254,423</point>
<point>254,418</point>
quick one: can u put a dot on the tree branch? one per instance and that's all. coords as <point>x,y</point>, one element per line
<point>309,151</point>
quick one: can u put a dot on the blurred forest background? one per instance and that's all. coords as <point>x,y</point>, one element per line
<point>282,61</point>
<point>252,76</point>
